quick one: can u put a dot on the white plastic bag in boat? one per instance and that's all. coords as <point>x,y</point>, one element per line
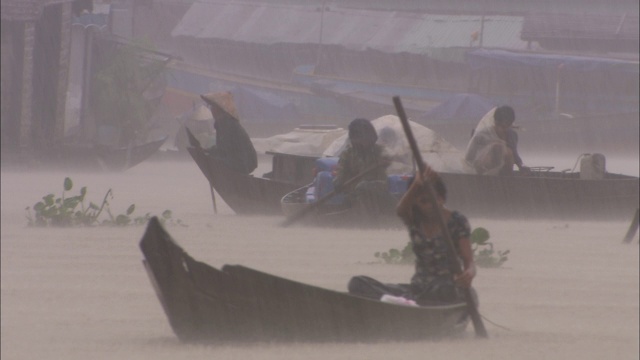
<point>399,300</point>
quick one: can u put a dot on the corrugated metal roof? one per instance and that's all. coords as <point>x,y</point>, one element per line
<point>581,26</point>
<point>388,31</point>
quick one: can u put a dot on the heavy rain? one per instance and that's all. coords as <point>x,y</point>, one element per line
<point>226,120</point>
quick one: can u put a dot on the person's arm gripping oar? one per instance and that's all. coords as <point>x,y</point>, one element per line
<point>193,141</point>
<point>478,325</point>
<point>302,213</point>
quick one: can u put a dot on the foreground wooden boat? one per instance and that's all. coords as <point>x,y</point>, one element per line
<point>236,303</point>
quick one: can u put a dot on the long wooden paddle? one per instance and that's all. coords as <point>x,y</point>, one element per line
<point>478,325</point>
<point>193,141</point>
<point>302,213</point>
<point>633,228</point>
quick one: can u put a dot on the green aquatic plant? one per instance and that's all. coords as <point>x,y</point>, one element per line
<point>396,256</point>
<point>68,211</point>
<point>483,252</point>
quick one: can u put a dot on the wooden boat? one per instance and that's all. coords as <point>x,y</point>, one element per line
<point>541,193</point>
<point>245,194</point>
<point>544,194</point>
<point>249,194</point>
<point>94,157</point>
<point>236,303</point>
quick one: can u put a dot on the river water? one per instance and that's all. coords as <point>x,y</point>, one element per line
<point>569,290</point>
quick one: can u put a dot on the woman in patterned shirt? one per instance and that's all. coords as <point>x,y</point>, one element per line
<point>433,282</point>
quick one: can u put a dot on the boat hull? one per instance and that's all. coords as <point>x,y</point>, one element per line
<point>245,194</point>
<point>542,195</point>
<point>236,303</point>
<point>548,195</point>
<point>536,194</point>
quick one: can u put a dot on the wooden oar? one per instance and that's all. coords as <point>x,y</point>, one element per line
<point>633,228</point>
<point>193,141</point>
<point>478,325</point>
<point>302,213</point>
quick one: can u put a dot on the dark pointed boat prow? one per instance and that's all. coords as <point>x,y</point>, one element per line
<point>238,304</point>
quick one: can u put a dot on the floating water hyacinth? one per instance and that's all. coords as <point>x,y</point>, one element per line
<point>67,211</point>
<point>483,252</point>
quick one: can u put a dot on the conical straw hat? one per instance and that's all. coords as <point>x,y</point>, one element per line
<point>222,101</point>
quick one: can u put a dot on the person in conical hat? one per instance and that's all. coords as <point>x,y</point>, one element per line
<point>221,103</point>
<point>233,145</point>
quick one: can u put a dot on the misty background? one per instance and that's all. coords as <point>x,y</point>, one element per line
<point>80,74</point>
<point>84,80</point>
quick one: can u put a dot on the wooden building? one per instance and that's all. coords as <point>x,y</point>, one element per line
<point>36,38</point>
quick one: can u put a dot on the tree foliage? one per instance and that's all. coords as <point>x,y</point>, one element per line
<point>118,87</point>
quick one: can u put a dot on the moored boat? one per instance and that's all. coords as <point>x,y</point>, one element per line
<point>539,193</point>
<point>250,194</point>
<point>99,157</point>
<point>245,194</point>
<point>237,303</point>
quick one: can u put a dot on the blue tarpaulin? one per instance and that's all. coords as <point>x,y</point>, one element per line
<point>483,58</point>
<point>558,82</point>
<point>262,106</point>
<point>459,108</point>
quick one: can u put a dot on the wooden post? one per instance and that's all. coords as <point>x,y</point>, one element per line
<point>86,128</point>
<point>558,76</point>
<point>481,30</point>
<point>193,141</point>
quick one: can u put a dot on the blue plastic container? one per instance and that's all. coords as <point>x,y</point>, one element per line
<point>323,184</point>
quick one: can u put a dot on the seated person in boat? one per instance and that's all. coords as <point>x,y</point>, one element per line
<point>370,196</point>
<point>433,282</point>
<point>233,145</point>
<point>493,149</point>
